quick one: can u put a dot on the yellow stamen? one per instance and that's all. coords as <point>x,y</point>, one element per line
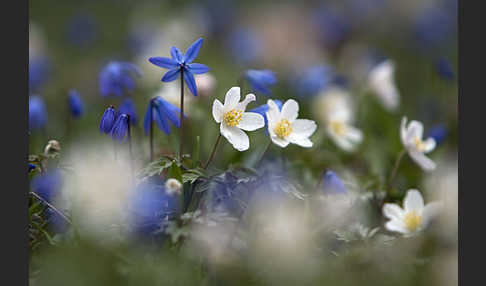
<point>283,129</point>
<point>338,127</point>
<point>233,117</point>
<point>419,143</point>
<point>413,220</point>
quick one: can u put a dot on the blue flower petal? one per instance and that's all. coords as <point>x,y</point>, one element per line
<point>171,111</point>
<point>163,62</point>
<point>192,51</point>
<point>148,118</point>
<point>176,54</point>
<point>171,75</point>
<point>191,83</point>
<point>331,184</point>
<point>196,68</point>
<point>161,121</point>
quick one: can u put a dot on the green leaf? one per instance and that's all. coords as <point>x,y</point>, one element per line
<point>195,152</point>
<point>175,172</point>
<point>155,167</point>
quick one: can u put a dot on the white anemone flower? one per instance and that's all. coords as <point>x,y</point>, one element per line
<point>234,119</point>
<point>335,108</point>
<point>411,136</point>
<point>285,128</point>
<point>381,81</point>
<point>414,217</point>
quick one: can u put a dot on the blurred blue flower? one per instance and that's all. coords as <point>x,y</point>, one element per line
<point>47,185</point>
<point>333,26</point>
<point>31,167</point>
<point>128,107</point>
<point>438,132</point>
<point>81,30</point>
<point>331,184</point>
<point>120,128</point>
<point>37,112</point>
<point>262,110</point>
<point>75,103</point>
<point>244,45</point>
<point>161,111</point>
<point>444,69</point>
<point>433,27</point>
<point>184,63</point>
<point>219,14</point>
<point>108,120</point>
<point>260,80</point>
<point>39,72</point>
<point>313,79</point>
<point>117,77</point>
<point>150,208</point>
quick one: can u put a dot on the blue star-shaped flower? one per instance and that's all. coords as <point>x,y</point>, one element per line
<point>260,80</point>
<point>75,103</point>
<point>120,128</point>
<point>161,112</point>
<point>182,63</point>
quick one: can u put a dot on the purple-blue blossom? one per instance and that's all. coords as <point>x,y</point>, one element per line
<point>182,63</point>
<point>117,78</point>
<point>161,112</point>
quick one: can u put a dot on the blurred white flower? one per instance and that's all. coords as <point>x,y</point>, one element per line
<point>381,80</point>
<point>411,137</point>
<point>206,84</point>
<point>234,119</point>
<point>173,186</point>
<point>335,109</point>
<point>285,128</point>
<point>414,217</point>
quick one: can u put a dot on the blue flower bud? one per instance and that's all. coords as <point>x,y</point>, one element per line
<point>120,128</point>
<point>75,103</point>
<point>128,107</point>
<point>37,112</point>
<point>260,80</point>
<point>108,120</point>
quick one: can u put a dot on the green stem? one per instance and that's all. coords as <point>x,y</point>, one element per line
<point>182,116</point>
<point>263,154</point>
<point>210,159</point>
<point>395,168</point>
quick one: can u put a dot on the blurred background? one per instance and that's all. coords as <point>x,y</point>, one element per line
<point>312,47</point>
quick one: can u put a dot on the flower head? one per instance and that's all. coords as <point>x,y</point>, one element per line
<point>179,63</point>
<point>335,109</point>
<point>117,77</point>
<point>411,137</point>
<point>381,80</point>
<point>108,120</point>
<point>75,103</point>
<point>260,80</point>
<point>331,184</point>
<point>47,185</point>
<point>37,112</point>
<point>161,111</point>
<point>128,107</point>
<point>233,119</point>
<point>438,132</point>
<point>120,128</point>
<point>414,217</point>
<point>285,128</point>
<point>39,72</point>
<point>173,186</point>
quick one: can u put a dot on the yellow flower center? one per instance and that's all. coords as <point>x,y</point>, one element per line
<point>419,143</point>
<point>413,220</point>
<point>233,117</point>
<point>338,127</point>
<point>283,128</point>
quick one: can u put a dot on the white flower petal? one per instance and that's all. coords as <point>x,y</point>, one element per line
<point>303,128</point>
<point>354,134</point>
<point>290,110</point>
<point>301,141</point>
<point>251,121</point>
<point>430,211</point>
<point>403,131</point>
<point>397,226</point>
<point>417,128</point>
<point>279,141</point>
<point>232,98</point>
<point>429,145</point>
<point>423,161</point>
<point>236,137</point>
<point>218,111</point>
<point>249,98</point>
<point>273,113</point>
<point>413,201</point>
<point>393,211</point>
